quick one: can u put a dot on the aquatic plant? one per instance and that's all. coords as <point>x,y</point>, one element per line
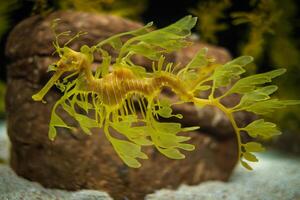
<point>272,25</point>
<point>112,95</point>
<point>270,31</point>
<point>124,8</point>
<point>210,15</point>
<point>261,23</point>
<point>6,7</point>
<point>282,45</point>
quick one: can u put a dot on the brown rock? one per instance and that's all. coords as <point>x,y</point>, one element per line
<point>74,160</point>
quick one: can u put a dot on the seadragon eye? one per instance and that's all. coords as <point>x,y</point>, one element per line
<point>52,67</point>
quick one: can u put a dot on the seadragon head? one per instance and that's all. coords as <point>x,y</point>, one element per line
<point>70,61</point>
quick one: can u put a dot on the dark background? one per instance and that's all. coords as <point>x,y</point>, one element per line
<point>162,12</point>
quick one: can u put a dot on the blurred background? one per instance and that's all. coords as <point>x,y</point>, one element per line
<point>268,30</point>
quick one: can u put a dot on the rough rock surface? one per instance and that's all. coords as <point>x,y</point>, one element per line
<point>275,177</point>
<point>77,161</point>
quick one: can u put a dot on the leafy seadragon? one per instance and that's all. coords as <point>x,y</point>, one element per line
<point>111,95</point>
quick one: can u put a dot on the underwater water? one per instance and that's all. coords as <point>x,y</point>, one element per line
<point>258,37</point>
<point>276,177</point>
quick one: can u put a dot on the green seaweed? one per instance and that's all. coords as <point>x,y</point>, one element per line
<point>261,21</point>
<point>126,98</point>
<point>125,8</point>
<point>272,27</point>
<point>210,15</point>
<point>6,7</point>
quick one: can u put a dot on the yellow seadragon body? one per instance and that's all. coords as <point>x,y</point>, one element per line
<point>125,98</point>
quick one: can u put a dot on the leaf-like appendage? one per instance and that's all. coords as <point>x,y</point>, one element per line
<point>85,122</point>
<point>246,165</point>
<point>104,67</point>
<point>172,153</point>
<point>166,40</point>
<point>166,140</point>
<point>116,43</point>
<point>260,94</point>
<point>199,60</point>
<point>202,88</point>
<point>253,147</point>
<point>231,70</point>
<point>262,128</point>
<point>165,110</point>
<point>55,121</point>
<point>136,134</point>
<point>85,105</point>
<point>146,50</point>
<point>250,157</point>
<point>128,152</point>
<point>249,83</point>
<point>269,106</point>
